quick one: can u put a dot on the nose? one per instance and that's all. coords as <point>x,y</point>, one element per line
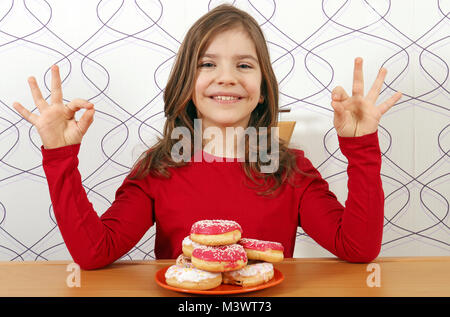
<point>225,76</point>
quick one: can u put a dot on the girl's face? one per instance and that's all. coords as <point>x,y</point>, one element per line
<point>227,88</point>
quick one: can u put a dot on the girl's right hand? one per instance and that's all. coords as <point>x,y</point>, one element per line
<point>56,123</point>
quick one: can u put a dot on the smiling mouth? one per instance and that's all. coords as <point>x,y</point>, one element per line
<point>226,99</point>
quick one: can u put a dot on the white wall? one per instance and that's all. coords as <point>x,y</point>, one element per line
<point>119,59</point>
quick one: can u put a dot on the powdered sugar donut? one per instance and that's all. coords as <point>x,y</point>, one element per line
<point>216,232</point>
<point>192,278</point>
<point>219,259</point>
<point>184,261</point>
<point>188,246</point>
<point>267,251</point>
<point>250,275</point>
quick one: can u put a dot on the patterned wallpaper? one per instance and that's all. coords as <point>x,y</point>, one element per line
<point>118,54</point>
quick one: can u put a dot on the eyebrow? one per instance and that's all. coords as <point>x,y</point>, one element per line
<point>243,56</point>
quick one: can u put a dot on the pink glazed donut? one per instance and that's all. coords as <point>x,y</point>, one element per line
<point>267,251</point>
<point>219,259</point>
<point>216,232</point>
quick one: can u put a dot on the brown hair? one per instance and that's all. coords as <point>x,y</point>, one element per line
<point>180,110</point>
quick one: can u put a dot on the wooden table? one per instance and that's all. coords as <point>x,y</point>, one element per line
<point>305,277</point>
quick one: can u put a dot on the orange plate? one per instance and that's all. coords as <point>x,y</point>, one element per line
<point>222,289</point>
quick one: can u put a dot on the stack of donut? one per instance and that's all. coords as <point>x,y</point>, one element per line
<point>215,253</point>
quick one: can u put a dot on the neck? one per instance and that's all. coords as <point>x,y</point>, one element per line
<point>223,142</point>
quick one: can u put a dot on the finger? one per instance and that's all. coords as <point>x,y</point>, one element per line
<point>56,90</point>
<point>338,108</point>
<point>39,101</point>
<point>339,117</point>
<point>358,78</point>
<point>388,104</point>
<point>374,91</point>
<point>76,105</point>
<point>86,120</point>
<point>339,94</point>
<point>25,113</point>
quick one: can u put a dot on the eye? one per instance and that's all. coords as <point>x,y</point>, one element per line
<point>206,64</point>
<point>244,66</point>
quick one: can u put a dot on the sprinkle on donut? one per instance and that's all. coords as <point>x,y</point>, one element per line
<point>182,274</point>
<point>267,251</point>
<point>229,253</point>
<point>216,232</point>
<point>192,278</point>
<point>215,226</point>
<point>220,258</point>
<point>250,275</point>
<point>215,252</point>
<point>260,245</point>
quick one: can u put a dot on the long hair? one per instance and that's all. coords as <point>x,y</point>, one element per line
<point>180,110</point>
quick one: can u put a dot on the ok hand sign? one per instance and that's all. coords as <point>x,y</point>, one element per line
<point>358,115</point>
<point>56,123</point>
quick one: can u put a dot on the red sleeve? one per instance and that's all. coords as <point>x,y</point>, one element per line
<point>94,241</point>
<point>354,232</point>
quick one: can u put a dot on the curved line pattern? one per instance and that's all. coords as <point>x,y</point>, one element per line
<point>421,193</point>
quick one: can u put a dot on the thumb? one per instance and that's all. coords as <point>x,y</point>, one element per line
<point>339,111</point>
<point>86,119</point>
<point>76,105</point>
<point>339,94</point>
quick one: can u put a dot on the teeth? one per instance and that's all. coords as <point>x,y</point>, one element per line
<point>225,98</point>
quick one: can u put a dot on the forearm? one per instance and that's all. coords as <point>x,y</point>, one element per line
<point>360,235</point>
<point>354,232</point>
<point>77,220</point>
<point>93,241</point>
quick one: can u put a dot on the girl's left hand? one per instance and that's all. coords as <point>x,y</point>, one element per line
<point>358,115</point>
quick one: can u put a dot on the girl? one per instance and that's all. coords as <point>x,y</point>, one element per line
<point>223,77</point>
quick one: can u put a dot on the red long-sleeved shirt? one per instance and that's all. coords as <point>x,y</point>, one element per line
<point>216,190</point>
